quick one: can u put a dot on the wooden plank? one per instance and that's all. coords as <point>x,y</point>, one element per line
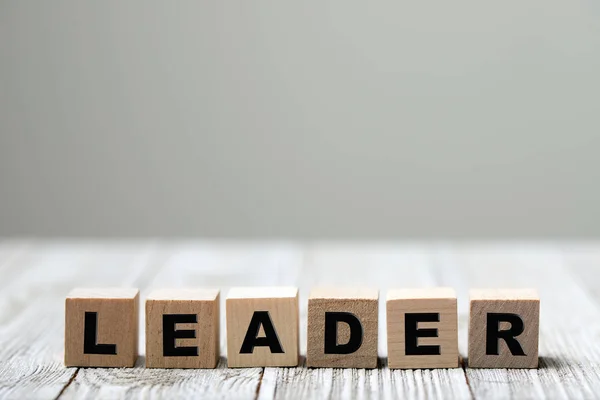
<point>569,324</point>
<point>32,310</point>
<point>379,266</point>
<point>38,277</point>
<point>197,265</point>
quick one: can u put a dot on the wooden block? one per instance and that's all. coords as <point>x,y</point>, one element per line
<point>342,328</point>
<point>504,328</point>
<point>422,328</point>
<point>182,328</point>
<point>262,327</point>
<point>101,327</point>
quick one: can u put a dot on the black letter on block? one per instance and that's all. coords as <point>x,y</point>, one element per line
<point>412,334</point>
<point>170,335</point>
<point>90,337</point>
<point>494,334</point>
<point>331,333</point>
<point>251,340</point>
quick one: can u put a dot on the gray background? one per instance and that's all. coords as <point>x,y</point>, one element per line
<point>300,119</point>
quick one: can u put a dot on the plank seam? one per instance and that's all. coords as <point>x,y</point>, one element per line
<point>67,384</point>
<point>463,364</point>
<point>262,373</point>
<point>434,268</point>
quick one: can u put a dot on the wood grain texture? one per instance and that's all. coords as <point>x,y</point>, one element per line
<point>189,265</point>
<point>36,276</point>
<point>388,265</point>
<point>202,337</point>
<point>518,311</point>
<point>32,312</point>
<point>256,315</point>
<point>440,303</point>
<point>114,313</point>
<point>362,306</point>
<point>568,353</point>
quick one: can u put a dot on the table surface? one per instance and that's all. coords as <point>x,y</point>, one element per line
<point>35,277</point>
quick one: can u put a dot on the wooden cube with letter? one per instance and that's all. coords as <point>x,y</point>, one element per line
<point>422,328</point>
<point>504,328</point>
<point>262,327</point>
<point>182,328</point>
<point>101,327</point>
<point>342,328</point>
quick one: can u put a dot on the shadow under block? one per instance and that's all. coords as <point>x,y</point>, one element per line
<point>342,328</point>
<point>422,328</point>
<point>101,327</point>
<point>182,328</point>
<point>262,327</point>
<point>504,328</point>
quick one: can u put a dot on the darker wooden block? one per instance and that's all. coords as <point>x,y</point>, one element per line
<point>422,328</point>
<point>101,327</point>
<point>342,328</point>
<point>182,328</point>
<point>504,328</point>
<point>262,327</point>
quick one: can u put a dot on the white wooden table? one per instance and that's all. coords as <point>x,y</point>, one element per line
<point>35,276</point>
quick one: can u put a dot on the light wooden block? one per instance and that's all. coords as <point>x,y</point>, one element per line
<point>251,312</point>
<point>422,328</point>
<point>504,328</point>
<point>182,328</point>
<point>101,327</point>
<point>351,337</point>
